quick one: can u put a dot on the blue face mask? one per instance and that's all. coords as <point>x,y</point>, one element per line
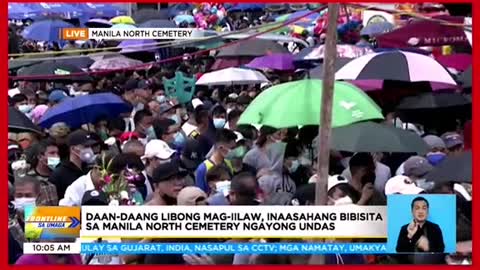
<point>151,133</point>
<point>435,158</point>
<point>175,118</point>
<point>219,122</point>
<point>179,139</point>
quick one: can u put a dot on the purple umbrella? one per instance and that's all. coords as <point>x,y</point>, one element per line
<point>282,61</point>
<point>132,45</point>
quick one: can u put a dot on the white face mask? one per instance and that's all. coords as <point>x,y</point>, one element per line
<point>22,203</point>
<point>424,184</point>
<point>343,201</point>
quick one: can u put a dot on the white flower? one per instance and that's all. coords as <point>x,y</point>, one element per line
<point>124,195</point>
<point>114,203</point>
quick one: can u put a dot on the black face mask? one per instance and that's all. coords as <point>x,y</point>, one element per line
<point>169,200</point>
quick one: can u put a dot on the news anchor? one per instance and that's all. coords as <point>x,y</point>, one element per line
<point>420,235</point>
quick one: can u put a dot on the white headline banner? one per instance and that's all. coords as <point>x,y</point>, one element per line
<point>234,222</point>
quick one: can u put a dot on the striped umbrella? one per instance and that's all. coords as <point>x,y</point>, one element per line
<point>396,66</point>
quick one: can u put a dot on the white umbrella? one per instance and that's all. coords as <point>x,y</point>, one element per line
<point>232,76</point>
<point>116,62</point>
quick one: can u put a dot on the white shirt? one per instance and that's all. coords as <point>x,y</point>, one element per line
<point>74,193</point>
<point>188,128</point>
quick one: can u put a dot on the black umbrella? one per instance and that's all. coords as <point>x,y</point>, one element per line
<point>466,78</point>
<point>434,101</point>
<point>158,24</point>
<point>453,169</point>
<point>20,63</point>
<point>252,48</point>
<point>143,15</point>
<point>431,108</point>
<point>18,122</point>
<point>374,137</point>
<point>317,73</point>
<point>52,71</point>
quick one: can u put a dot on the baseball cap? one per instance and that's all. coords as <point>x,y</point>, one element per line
<point>417,166</point>
<point>94,197</point>
<point>401,184</point>
<point>165,107</point>
<point>434,142</point>
<point>191,154</point>
<point>158,149</point>
<point>80,137</point>
<point>190,196</point>
<point>452,139</point>
<point>336,180</point>
<point>130,85</point>
<point>167,170</point>
<point>57,96</point>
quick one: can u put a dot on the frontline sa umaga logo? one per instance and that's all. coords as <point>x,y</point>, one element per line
<point>48,223</point>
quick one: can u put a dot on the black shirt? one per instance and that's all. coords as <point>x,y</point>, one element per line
<point>430,230</point>
<point>64,175</point>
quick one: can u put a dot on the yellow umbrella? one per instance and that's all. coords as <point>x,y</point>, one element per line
<point>122,20</point>
<point>297,29</point>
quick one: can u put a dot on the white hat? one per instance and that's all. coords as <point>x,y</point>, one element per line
<point>239,136</point>
<point>158,149</point>
<point>401,184</point>
<point>196,102</point>
<point>336,180</point>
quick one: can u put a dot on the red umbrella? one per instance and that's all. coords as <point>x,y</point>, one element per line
<point>426,33</point>
<point>459,61</point>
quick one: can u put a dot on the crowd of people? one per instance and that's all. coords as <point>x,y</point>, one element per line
<point>195,153</point>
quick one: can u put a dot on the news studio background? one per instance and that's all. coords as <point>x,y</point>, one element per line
<point>188,134</point>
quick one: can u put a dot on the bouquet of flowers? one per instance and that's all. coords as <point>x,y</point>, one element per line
<point>121,188</point>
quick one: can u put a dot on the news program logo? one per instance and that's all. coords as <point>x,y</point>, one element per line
<point>48,223</point>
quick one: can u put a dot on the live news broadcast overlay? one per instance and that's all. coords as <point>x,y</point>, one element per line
<point>129,33</point>
<point>301,230</point>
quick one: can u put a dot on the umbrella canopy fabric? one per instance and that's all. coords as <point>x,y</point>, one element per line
<point>51,70</point>
<point>453,169</point>
<point>246,7</point>
<point>306,21</point>
<point>184,19</point>
<point>98,23</point>
<point>232,76</point>
<point>137,45</point>
<point>122,20</point>
<point>273,62</point>
<point>375,29</point>
<point>85,109</point>
<point>374,137</point>
<point>18,11</point>
<point>158,24</point>
<point>230,62</point>
<point>119,62</point>
<point>177,9</point>
<point>459,61</point>
<point>144,15</point>
<point>317,73</point>
<point>309,57</point>
<point>46,30</point>
<point>433,101</point>
<point>298,103</point>
<point>425,33</point>
<point>252,48</point>
<point>19,122</point>
<point>466,78</point>
<point>101,10</point>
<point>123,26</point>
<point>395,66</point>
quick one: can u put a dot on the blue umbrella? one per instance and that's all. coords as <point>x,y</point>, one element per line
<point>19,12</point>
<point>184,18</point>
<point>247,7</point>
<point>47,30</point>
<point>101,10</point>
<point>375,29</point>
<point>178,9</point>
<point>303,22</point>
<point>56,9</point>
<point>85,109</point>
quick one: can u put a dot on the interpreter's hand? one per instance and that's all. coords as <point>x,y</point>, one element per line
<point>411,229</point>
<point>367,192</point>
<point>423,243</point>
<point>198,260</point>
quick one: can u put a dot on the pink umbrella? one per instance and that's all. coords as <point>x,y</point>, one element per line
<point>459,61</point>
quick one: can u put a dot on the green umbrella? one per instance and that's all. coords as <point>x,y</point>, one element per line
<point>373,137</point>
<point>298,104</point>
